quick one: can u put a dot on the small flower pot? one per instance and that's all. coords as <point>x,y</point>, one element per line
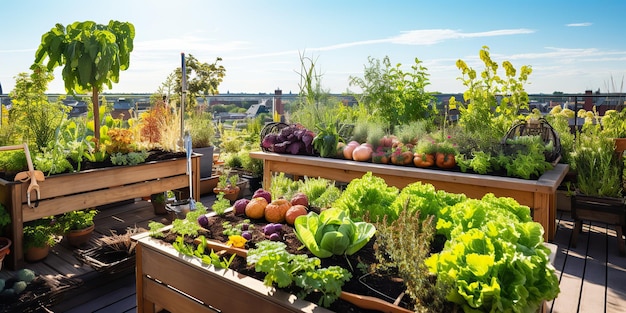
<point>5,244</point>
<point>231,193</point>
<point>77,238</point>
<point>36,254</point>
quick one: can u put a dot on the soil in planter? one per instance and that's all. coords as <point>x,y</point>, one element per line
<point>153,155</point>
<point>389,285</point>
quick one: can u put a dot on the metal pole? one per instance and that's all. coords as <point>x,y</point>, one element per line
<point>183,97</point>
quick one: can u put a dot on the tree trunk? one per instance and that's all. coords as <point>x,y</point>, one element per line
<point>96,115</point>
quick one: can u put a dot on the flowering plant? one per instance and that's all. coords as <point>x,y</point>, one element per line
<point>614,123</point>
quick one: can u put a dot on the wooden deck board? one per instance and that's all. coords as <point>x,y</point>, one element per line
<point>571,277</point>
<point>593,293</point>
<point>616,279</point>
<point>117,299</point>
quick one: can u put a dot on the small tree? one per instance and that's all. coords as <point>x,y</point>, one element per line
<point>92,55</point>
<point>34,117</point>
<point>202,78</point>
<point>397,96</point>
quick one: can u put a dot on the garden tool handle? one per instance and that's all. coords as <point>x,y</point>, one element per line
<point>31,173</point>
<point>33,180</point>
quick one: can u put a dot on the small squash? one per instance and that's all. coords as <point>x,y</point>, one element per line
<point>445,160</point>
<point>349,148</point>
<point>362,153</point>
<point>256,208</point>
<point>423,159</point>
<point>295,211</point>
<point>276,210</point>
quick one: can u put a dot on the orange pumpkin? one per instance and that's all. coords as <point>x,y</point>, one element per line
<point>294,212</point>
<point>276,210</point>
<point>402,158</point>
<point>256,208</point>
<point>444,160</point>
<point>423,159</point>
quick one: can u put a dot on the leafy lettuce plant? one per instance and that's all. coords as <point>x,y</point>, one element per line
<point>332,232</point>
<point>283,269</point>
<point>494,258</point>
<point>368,197</point>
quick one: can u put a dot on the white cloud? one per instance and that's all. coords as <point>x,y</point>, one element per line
<point>578,24</point>
<point>434,36</point>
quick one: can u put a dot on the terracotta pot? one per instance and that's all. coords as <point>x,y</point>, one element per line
<point>231,193</point>
<point>5,244</point>
<point>620,145</point>
<point>36,254</point>
<point>77,238</point>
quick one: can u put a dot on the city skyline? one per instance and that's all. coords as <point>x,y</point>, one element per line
<point>571,47</point>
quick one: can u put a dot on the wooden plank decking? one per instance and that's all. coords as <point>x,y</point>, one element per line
<point>592,275</point>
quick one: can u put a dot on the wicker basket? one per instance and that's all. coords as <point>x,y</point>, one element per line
<point>270,128</point>
<point>536,127</point>
<point>107,260</point>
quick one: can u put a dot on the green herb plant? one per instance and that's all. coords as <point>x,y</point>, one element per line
<point>230,229</point>
<point>220,204</point>
<point>282,186</point>
<point>326,140</point>
<point>189,225</point>
<point>41,232</point>
<point>75,220</point>
<point>595,162</point>
<point>284,269</point>
<point>130,158</point>
<point>403,245</point>
<point>154,229</point>
<point>321,192</point>
<point>199,251</point>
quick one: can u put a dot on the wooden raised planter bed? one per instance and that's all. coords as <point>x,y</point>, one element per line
<point>167,280</point>
<point>91,188</point>
<point>539,195</point>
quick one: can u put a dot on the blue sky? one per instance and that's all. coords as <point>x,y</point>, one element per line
<point>572,46</point>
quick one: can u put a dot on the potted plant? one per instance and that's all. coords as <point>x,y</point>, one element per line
<point>445,155</point>
<point>598,188</point>
<point>253,170</point>
<point>77,226</point>
<point>614,126</point>
<point>227,185</point>
<point>202,132</point>
<point>39,237</point>
<point>158,202</point>
<point>5,243</point>
<point>425,152</point>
